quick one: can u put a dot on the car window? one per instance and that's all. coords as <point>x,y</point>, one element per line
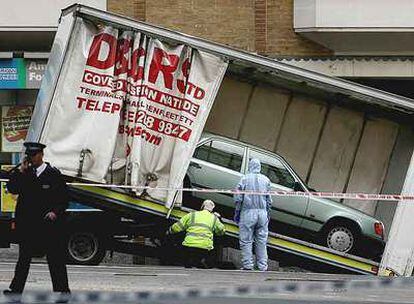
<point>274,169</point>
<point>221,154</point>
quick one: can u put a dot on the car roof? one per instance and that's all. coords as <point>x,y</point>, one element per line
<point>209,135</point>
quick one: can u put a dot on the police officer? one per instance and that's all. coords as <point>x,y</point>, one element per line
<point>200,227</point>
<point>42,200</point>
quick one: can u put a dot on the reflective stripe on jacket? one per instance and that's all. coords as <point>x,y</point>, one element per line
<point>200,227</point>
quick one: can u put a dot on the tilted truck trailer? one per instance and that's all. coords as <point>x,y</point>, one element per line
<point>124,102</point>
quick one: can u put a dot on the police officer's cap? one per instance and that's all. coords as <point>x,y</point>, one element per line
<point>33,147</point>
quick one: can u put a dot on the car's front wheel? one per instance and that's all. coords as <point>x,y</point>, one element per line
<point>341,237</point>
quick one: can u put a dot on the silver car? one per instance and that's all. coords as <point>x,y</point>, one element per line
<point>219,163</point>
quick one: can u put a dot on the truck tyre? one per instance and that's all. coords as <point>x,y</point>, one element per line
<point>85,248</point>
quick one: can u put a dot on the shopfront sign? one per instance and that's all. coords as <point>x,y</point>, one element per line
<point>12,74</point>
<point>14,124</point>
<point>19,73</point>
<point>34,73</point>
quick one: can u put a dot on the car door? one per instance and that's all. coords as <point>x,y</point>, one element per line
<point>217,164</point>
<point>290,210</point>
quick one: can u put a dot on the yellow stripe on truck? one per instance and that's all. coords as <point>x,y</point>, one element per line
<point>327,256</point>
<point>153,206</point>
<point>233,230</point>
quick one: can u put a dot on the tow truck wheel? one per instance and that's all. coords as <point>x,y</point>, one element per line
<point>85,248</point>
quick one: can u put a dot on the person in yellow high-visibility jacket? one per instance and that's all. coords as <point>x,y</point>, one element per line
<point>200,228</point>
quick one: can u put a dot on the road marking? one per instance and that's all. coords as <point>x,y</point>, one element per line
<point>34,271</point>
<point>150,274</point>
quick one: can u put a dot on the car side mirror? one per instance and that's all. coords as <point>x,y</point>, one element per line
<point>297,187</point>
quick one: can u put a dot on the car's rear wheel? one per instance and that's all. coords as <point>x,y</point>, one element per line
<point>341,237</point>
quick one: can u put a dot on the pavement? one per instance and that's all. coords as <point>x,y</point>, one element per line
<point>11,254</point>
<point>165,284</point>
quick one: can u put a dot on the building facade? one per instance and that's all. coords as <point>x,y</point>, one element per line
<point>262,26</point>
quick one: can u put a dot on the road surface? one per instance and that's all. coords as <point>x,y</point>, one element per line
<point>220,285</point>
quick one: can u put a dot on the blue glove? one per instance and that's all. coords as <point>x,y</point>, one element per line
<point>236,217</point>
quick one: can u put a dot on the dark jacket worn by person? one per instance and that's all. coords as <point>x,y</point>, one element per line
<point>37,197</point>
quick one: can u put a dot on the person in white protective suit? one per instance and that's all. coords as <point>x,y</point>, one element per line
<point>252,214</point>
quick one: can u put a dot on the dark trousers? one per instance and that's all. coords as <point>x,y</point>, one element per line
<point>55,256</point>
<point>196,257</point>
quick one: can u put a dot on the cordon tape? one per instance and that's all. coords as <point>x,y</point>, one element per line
<point>334,195</point>
<point>354,196</point>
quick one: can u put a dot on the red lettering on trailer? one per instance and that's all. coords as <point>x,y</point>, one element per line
<point>97,105</point>
<point>106,51</point>
<point>139,131</point>
<point>81,101</point>
<point>137,71</point>
<point>95,57</point>
<point>91,105</point>
<point>97,79</point>
<point>116,107</point>
<point>185,69</point>
<point>106,107</point>
<point>121,66</point>
<point>156,124</point>
<point>164,63</point>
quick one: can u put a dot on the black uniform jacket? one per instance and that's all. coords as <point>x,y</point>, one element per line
<point>37,197</point>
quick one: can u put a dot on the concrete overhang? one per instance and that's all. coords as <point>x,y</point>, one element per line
<point>6,55</point>
<point>29,14</point>
<point>395,67</point>
<point>369,27</point>
<point>27,40</point>
<point>27,25</point>
<point>36,55</point>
